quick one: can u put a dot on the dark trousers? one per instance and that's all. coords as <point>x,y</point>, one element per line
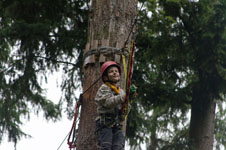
<point>110,138</point>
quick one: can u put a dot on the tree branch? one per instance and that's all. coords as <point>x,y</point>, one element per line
<point>57,61</point>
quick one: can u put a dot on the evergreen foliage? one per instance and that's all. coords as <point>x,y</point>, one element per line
<point>180,55</point>
<point>35,37</point>
<point>180,58</point>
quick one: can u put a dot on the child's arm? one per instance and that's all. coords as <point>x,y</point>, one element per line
<point>105,96</point>
<point>114,100</point>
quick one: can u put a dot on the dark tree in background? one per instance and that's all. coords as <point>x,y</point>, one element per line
<point>183,66</point>
<point>179,66</point>
<point>35,38</point>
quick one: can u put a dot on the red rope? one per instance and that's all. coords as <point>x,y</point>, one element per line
<point>129,78</point>
<point>71,141</point>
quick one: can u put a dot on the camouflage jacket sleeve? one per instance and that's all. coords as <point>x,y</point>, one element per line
<point>107,98</point>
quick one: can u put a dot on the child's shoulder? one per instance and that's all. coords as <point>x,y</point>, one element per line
<point>104,87</point>
<point>103,90</point>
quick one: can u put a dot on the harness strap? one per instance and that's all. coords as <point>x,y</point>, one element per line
<point>108,120</point>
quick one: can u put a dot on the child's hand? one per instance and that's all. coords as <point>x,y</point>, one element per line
<point>133,90</point>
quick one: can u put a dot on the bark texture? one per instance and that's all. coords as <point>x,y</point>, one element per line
<point>110,22</point>
<point>202,124</point>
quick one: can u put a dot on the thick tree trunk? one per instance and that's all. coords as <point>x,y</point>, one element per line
<point>110,22</point>
<point>202,125</point>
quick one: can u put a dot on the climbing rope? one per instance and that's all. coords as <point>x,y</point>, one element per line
<point>72,137</point>
<point>125,105</point>
<point>129,70</point>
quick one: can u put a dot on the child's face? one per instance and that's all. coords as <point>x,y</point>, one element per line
<point>113,74</point>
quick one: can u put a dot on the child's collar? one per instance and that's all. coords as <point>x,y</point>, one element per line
<point>113,87</point>
<point>111,82</point>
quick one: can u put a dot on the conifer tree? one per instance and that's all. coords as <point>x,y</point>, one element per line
<point>36,38</point>
<point>183,45</point>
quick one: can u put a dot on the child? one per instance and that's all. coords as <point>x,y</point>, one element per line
<point>109,99</point>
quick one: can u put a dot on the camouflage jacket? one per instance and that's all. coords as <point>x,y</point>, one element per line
<point>108,102</point>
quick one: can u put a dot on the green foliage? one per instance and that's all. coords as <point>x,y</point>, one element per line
<point>220,126</point>
<point>34,37</point>
<point>180,58</point>
<point>136,121</point>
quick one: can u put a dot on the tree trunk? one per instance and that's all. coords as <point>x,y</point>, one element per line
<point>109,26</point>
<point>153,145</point>
<point>202,124</point>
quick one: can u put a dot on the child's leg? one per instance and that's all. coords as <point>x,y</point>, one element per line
<point>104,137</point>
<point>118,139</point>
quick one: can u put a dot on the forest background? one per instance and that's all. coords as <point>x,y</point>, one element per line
<point>179,67</point>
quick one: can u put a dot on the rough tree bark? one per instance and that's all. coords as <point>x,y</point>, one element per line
<point>109,26</point>
<point>202,124</point>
